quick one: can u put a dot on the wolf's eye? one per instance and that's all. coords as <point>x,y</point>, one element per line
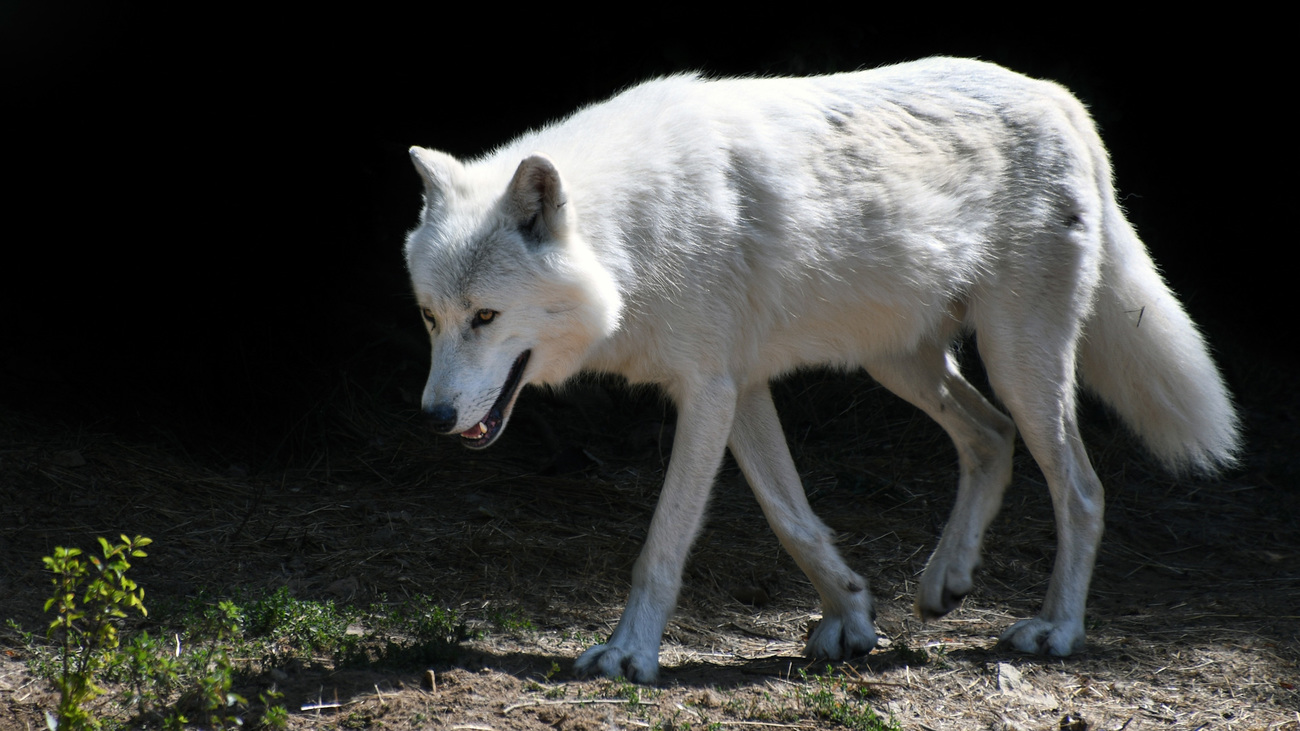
<point>427,314</point>
<point>483,317</point>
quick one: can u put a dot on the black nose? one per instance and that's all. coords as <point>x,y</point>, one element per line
<point>441,417</point>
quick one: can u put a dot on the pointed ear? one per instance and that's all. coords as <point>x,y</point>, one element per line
<point>438,170</point>
<point>537,200</point>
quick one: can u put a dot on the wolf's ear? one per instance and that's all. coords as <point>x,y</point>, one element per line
<point>537,200</point>
<point>438,170</point>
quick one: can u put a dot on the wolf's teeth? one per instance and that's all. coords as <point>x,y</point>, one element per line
<point>482,428</point>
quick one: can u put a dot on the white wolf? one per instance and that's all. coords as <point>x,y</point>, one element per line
<point>710,236</point>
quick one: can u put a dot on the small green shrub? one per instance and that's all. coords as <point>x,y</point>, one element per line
<point>419,634</point>
<point>187,676</point>
<point>162,682</point>
<point>297,623</point>
<point>837,699</point>
<point>86,631</point>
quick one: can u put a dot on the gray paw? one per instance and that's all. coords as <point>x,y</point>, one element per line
<point>1043,637</point>
<point>842,637</point>
<point>613,661</point>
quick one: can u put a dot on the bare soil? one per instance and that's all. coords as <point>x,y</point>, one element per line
<point>1194,613</point>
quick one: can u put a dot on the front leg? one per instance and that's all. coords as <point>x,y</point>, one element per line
<point>704,415</point>
<point>760,448</point>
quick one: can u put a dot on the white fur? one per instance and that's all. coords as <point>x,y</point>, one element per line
<point>709,236</point>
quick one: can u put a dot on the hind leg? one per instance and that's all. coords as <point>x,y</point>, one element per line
<point>759,446</point>
<point>1030,359</point>
<point>984,438</point>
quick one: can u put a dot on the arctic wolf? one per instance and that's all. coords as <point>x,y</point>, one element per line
<point>708,236</point>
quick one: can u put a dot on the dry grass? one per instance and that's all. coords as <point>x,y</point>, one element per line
<point>1194,609</point>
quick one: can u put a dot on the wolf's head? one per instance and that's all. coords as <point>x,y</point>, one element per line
<point>509,291</point>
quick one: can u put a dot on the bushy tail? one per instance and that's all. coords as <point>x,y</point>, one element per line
<point>1144,357</point>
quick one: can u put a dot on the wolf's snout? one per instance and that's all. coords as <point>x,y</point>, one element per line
<point>441,418</point>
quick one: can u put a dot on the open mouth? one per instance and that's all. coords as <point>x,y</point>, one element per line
<point>489,427</point>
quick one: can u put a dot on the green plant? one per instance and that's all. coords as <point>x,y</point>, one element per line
<point>185,672</point>
<point>162,682</point>
<point>276,715</point>
<point>553,671</point>
<point>941,657</point>
<point>419,633</point>
<point>511,621</point>
<point>587,639</point>
<point>297,623</point>
<point>556,692</point>
<point>909,655</point>
<point>837,699</point>
<point>621,687</point>
<point>153,673</point>
<point>86,632</point>
<point>215,673</point>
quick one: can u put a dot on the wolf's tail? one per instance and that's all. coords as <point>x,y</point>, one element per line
<point>1144,357</point>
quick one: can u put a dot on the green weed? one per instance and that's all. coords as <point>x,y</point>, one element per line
<point>183,671</point>
<point>835,698</point>
<point>86,631</point>
<point>162,681</point>
<point>418,633</point>
<point>512,621</point>
<point>296,625</point>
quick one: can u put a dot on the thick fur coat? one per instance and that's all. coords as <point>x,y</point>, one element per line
<point>708,236</point>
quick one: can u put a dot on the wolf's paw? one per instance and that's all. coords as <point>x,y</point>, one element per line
<point>612,661</point>
<point>943,586</point>
<point>1043,637</point>
<point>841,637</point>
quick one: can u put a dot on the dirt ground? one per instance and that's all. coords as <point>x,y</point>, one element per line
<point>1194,611</point>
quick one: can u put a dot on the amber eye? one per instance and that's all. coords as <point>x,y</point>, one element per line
<point>427,314</point>
<point>483,317</point>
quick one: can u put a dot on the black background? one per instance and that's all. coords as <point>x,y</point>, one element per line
<point>204,210</point>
